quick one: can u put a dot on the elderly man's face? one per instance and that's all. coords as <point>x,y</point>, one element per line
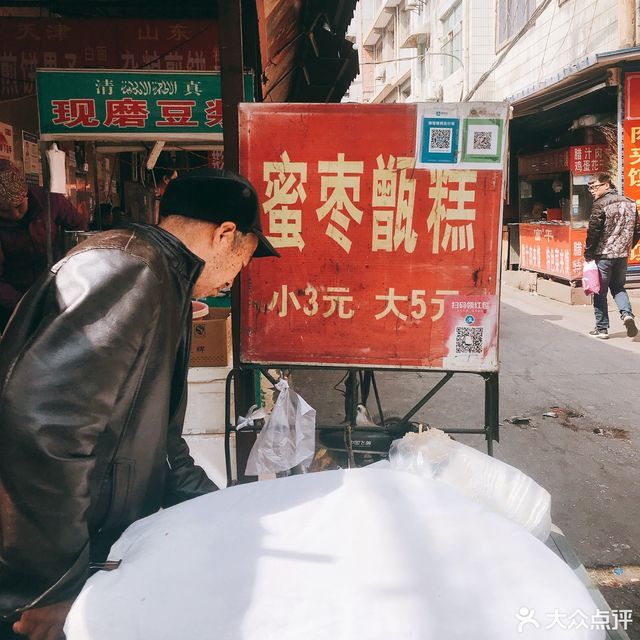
<point>227,253</point>
<point>15,213</point>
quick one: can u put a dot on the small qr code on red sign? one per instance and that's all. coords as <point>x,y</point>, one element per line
<point>469,339</point>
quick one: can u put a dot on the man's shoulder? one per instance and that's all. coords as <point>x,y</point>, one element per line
<point>602,204</point>
<point>612,197</point>
<point>129,241</point>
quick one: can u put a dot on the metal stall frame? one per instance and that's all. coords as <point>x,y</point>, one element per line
<point>490,430</point>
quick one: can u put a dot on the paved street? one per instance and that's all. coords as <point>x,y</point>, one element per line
<point>589,463</point>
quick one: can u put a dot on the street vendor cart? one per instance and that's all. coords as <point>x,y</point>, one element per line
<point>554,207</point>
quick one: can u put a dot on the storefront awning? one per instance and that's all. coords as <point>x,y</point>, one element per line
<point>578,79</point>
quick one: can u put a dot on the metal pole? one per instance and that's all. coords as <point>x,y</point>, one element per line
<point>232,67</point>
<point>352,389</point>
<point>377,395</point>
<point>46,179</point>
<point>491,410</point>
<point>97,213</point>
<point>448,375</point>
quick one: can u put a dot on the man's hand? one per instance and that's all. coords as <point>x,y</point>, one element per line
<point>44,623</point>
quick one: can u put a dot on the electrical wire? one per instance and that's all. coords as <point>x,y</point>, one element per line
<point>528,24</point>
<point>593,17</point>
<point>362,64</point>
<point>418,57</point>
<point>546,44</point>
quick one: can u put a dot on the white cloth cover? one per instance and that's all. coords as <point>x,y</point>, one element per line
<point>57,170</point>
<point>366,554</point>
<point>499,486</point>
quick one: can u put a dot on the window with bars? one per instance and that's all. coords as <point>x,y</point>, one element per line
<point>452,40</point>
<point>512,16</point>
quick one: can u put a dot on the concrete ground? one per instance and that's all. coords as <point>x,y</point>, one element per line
<point>588,457</point>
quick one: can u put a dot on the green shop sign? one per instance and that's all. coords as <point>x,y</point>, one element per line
<point>157,105</point>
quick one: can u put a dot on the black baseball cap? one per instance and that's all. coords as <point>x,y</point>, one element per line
<point>217,195</point>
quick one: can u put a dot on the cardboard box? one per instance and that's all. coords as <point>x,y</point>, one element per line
<point>211,339</point>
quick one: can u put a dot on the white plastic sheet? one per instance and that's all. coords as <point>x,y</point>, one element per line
<point>499,486</point>
<point>366,554</point>
<point>287,438</point>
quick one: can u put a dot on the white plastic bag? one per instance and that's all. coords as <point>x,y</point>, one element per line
<point>590,277</point>
<point>499,486</point>
<point>288,437</point>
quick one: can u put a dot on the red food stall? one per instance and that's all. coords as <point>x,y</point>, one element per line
<point>554,208</point>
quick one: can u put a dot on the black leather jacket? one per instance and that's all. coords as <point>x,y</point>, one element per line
<point>93,371</point>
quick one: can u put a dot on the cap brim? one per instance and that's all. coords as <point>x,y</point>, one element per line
<point>264,249</point>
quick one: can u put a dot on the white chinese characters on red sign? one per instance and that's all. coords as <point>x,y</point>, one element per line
<point>450,220</point>
<point>587,159</point>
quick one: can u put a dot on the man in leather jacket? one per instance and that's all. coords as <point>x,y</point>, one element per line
<point>93,369</point>
<point>614,228</point>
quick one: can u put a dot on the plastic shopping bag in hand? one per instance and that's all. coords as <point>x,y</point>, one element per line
<point>590,277</point>
<point>288,437</point>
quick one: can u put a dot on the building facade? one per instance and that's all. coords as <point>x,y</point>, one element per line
<point>417,50</point>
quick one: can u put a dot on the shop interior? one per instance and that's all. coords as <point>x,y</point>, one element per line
<point>589,119</point>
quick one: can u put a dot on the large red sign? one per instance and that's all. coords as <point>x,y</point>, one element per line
<point>70,43</point>
<point>631,157</point>
<point>382,264</point>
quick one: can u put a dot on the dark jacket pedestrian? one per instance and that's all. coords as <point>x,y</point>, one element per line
<point>614,228</point>
<point>23,234</point>
<point>93,367</point>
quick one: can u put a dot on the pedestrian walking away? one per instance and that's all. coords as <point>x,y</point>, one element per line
<point>614,229</point>
<point>93,366</point>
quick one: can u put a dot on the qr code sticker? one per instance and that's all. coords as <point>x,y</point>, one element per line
<point>440,140</point>
<point>482,140</point>
<point>469,339</point>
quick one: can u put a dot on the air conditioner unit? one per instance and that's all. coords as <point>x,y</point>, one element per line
<point>381,74</point>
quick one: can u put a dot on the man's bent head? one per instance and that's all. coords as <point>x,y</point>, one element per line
<point>216,214</point>
<point>217,195</point>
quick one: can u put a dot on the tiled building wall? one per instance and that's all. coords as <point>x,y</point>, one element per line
<point>482,29</point>
<point>562,35</point>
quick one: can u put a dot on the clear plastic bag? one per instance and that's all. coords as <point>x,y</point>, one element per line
<point>590,277</point>
<point>499,486</point>
<point>288,437</point>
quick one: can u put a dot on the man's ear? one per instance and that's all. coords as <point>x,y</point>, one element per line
<point>225,231</point>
